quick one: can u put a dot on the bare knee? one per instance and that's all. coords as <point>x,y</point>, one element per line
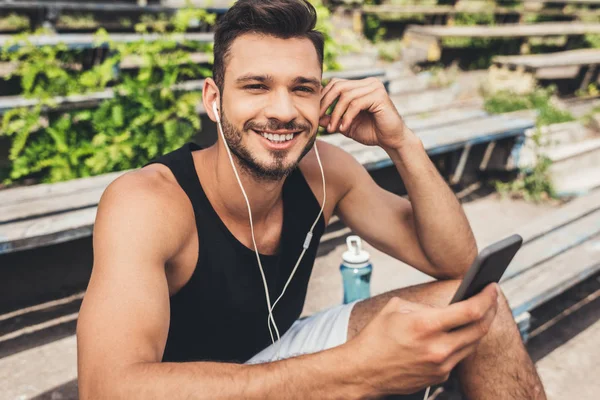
<point>433,294</point>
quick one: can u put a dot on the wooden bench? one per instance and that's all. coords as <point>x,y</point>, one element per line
<point>521,73</point>
<point>435,15</point>
<point>42,215</point>
<point>80,41</point>
<point>48,214</point>
<point>559,250</point>
<point>47,13</point>
<point>451,132</point>
<point>87,100</point>
<point>424,43</point>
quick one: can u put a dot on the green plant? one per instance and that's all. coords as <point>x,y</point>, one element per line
<point>147,115</point>
<point>78,21</point>
<point>373,29</point>
<point>390,50</point>
<point>534,184</point>
<point>14,22</point>
<point>333,47</point>
<point>539,99</point>
<point>592,40</point>
<point>442,77</point>
<point>470,19</point>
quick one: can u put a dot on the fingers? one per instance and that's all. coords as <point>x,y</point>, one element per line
<point>471,334</point>
<point>350,102</point>
<point>468,311</point>
<point>337,86</point>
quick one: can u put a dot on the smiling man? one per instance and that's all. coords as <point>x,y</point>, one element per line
<point>176,307</point>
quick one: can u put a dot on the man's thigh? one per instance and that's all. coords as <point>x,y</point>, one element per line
<point>435,294</point>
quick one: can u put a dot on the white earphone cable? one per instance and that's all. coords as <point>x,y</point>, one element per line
<point>266,287</point>
<point>270,318</point>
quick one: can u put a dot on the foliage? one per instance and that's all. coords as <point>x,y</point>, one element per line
<point>373,29</point>
<point>535,184</point>
<point>443,77</point>
<point>470,19</point>
<point>333,46</point>
<point>146,117</point>
<point>14,22</point>
<point>78,21</point>
<point>539,99</point>
<point>591,90</point>
<point>592,40</point>
<point>390,50</point>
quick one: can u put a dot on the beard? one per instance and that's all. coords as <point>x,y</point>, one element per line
<point>278,169</point>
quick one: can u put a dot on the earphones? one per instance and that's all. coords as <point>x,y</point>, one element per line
<point>306,244</point>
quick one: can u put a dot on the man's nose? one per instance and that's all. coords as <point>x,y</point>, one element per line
<point>281,107</point>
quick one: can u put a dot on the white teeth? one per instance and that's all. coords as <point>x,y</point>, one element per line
<point>277,138</point>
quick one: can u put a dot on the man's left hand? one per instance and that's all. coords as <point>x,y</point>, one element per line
<point>364,112</point>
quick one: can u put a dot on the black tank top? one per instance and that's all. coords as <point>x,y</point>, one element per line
<point>220,314</point>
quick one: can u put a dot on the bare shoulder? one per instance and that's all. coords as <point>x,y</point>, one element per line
<point>147,201</point>
<point>341,168</point>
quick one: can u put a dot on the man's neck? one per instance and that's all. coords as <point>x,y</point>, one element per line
<point>222,184</point>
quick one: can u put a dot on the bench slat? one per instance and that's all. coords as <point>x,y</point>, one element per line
<point>440,139</point>
<point>87,41</point>
<point>554,243</point>
<point>58,203</point>
<point>21,195</point>
<point>553,277</point>
<point>575,209</point>
<point>558,59</point>
<point>507,30</point>
<point>47,230</point>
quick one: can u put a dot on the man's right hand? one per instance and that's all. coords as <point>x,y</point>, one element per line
<point>408,346</point>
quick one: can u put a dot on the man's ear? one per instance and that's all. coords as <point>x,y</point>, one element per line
<point>210,94</point>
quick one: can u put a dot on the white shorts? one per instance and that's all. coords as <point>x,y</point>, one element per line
<point>322,331</point>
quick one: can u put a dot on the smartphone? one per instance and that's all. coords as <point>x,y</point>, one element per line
<point>488,267</point>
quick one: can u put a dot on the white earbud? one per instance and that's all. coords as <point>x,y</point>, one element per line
<point>216,111</point>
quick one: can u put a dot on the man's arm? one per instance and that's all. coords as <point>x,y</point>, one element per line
<point>124,318</point>
<point>430,232</point>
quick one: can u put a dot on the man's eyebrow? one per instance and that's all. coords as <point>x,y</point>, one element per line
<point>303,79</point>
<point>269,78</point>
<point>251,77</point>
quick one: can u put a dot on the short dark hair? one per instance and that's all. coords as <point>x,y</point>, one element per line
<point>279,18</point>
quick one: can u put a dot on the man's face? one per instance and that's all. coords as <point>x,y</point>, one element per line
<point>270,103</point>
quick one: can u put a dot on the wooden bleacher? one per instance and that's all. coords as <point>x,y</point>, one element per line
<point>560,250</point>
<point>42,215</point>
<point>424,43</point>
<point>522,73</point>
<point>82,41</point>
<point>86,100</point>
<point>47,13</point>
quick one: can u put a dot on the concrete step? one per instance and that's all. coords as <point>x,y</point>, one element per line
<point>578,183</point>
<point>575,167</point>
<point>553,137</point>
